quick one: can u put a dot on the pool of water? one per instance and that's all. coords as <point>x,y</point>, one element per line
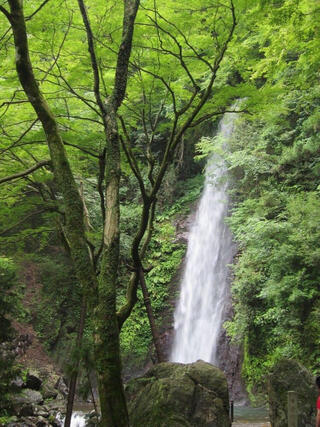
<point>242,414</point>
<point>248,414</point>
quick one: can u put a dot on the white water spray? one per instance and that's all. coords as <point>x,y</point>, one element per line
<point>204,289</point>
<point>77,419</point>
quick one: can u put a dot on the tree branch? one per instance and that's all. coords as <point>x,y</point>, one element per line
<point>130,11</point>
<point>37,10</point>
<point>84,150</point>
<point>93,58</point>
<point>217,113</point>
<point>26,172</point>
<point>179,55</point>
<point>15,143</point>
<point>6,13</point>
<point>22,221</point>
<point>131,158</point>
<point>176,136</point>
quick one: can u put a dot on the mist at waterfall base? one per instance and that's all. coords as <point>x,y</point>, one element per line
<point>78,419</point>
<point>204,291</point>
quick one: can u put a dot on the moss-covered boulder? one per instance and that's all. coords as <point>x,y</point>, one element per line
<point>174,394</point>
<point>23,403</point>
<point>290,375</point>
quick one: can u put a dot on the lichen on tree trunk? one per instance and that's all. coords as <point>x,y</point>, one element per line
<point>107,346</point>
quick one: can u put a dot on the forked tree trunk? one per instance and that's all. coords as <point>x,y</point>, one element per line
<point>107,351</point>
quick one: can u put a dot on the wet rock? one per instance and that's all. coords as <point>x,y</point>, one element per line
<point>290,375</point>
<point>175,394</point>
<point>183,225</point>
<point>230,358</point>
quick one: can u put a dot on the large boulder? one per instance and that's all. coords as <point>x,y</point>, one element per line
<point>290,375</point>
<point>174,394</point>
<point>23,403</point>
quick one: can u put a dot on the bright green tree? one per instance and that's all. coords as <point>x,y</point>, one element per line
<point>73,66</point>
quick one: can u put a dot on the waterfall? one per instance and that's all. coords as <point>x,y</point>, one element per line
<point>204,288</point>
<point>78,419</point>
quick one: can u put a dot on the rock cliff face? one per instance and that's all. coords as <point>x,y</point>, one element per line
<point>173,394</point>
<point>290,375</point>
<point>229,361</point>
<point>230,357</point>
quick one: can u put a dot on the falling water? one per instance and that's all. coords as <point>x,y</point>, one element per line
<point>78,419</point>
<point>204,289</point>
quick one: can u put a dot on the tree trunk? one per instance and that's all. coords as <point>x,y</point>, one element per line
<point>74,375</point>
<point>154,330</point>
<point>107,347</point>
<point>92,393</point>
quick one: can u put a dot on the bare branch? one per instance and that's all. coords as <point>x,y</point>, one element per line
<point>93,58</point>
<point>217,113</point>
<point>73,91</point>
<point>56,58</point>
<point>15,143</point>
<point>23,101</point>
<point>177,136</point>
<point>84,150</point>
<point>8,103</point>
<point>37,10</point>
<point>6,13</point>
<point>179,55</point>
<point>22,221</point>
<point>26,172</point>
<point>167,85</point>
<point>131,158</point>
<point>71,116</point>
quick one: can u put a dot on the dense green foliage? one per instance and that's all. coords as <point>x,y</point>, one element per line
<point>172,71</point>
<point>8,297</point>
<point>276,224</point>
<point>9,304</point>
<point>272,63</point>
<point>165,256</point>
<point>275,165</point>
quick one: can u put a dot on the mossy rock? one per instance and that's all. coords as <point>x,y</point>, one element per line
<point>290,375</point>
<point>174,394</point>
<point>23,402</point>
